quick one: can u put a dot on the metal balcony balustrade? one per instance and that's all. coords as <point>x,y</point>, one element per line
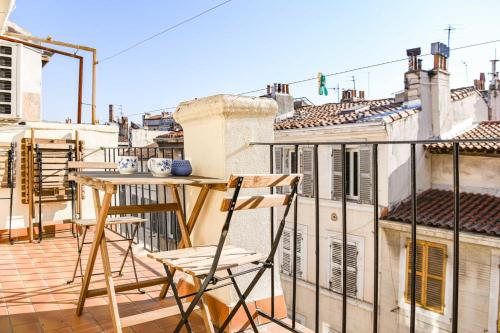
<point>375,202</point>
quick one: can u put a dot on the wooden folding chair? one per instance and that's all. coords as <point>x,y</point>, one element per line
<point>203,262</point>
<point>85,224</point>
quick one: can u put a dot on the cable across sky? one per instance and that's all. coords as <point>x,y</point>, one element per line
<point>163,31</point>
<point>332,74</point>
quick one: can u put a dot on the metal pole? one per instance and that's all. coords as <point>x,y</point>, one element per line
<point>271,166</point>
<point>344,239</point>
<point>39,163</point>
<point>295,235</point>
<point>11,188</point>
<point>316,231</point>
<point>413,237</point>
<point>456,233</point>
<point>375,235</point>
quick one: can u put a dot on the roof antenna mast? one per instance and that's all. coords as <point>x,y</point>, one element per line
<point>449,29</point>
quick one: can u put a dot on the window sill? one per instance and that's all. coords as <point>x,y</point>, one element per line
<point>336,204</point>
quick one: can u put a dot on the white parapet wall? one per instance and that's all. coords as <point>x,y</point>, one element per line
<point>94,137</point>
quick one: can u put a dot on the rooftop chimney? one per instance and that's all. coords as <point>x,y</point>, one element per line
<point>441,53</point>
<point>280,92</point>
<point>111,113</point>
<point>414,64</point>
<point>442,114</point>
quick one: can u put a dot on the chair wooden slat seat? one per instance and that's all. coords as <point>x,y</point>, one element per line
<point>110,221</point>
<point>198,260</point>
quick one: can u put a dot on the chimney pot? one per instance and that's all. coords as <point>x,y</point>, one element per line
<point>268,89</point>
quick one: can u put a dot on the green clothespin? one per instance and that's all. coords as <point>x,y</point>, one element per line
<point>322,84</point>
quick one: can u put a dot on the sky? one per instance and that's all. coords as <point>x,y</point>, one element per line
<point>245,45</point>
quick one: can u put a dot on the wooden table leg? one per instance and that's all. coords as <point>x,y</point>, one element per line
<point>96,243</point>
<point>193,218</point>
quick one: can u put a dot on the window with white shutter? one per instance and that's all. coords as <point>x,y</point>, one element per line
<point>286,251</point>
<point>307,169</point>
<point>336,260</point>
<point>7,80</point>
<point>358,174</point>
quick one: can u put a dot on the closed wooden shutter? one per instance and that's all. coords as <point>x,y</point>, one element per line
<point>307,168</point>
<point>336,173</point>
<point>430,279</point>
<point>365,175</point>
<point>335,282</point>
<point>278,164</point>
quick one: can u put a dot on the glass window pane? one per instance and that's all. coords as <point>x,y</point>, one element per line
<point>348,173</point>
<point>355,173</point>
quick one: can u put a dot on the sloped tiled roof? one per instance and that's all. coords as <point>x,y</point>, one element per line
<point>461,93</point>
<point>172,135</point>
<point>483,130</point>
<point>479,213</point>
<point>382,110</point>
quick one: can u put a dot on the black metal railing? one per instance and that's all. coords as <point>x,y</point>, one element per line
<point>161,231</point>
<point>294,146</point>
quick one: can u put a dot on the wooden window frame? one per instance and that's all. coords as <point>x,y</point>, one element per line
<point>424,275</point>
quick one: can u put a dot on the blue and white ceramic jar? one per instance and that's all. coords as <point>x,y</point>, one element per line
<point>181,168</point>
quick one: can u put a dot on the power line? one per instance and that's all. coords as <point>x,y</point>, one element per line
<point>349,71</point>
<point>164,31</point>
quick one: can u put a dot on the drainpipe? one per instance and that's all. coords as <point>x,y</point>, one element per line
<point>73,46</point>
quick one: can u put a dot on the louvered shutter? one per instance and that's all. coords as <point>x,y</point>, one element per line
<point>365,175</point>
<point>299,254</point>
<point>336,267</point>
<point>419,272</point>
<point>336,173</point>
<point>278,164</point>
<point>286,252</point>
<point>306,163</point>
<point>435,275</point>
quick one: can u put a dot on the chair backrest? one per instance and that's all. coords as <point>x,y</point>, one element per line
<point>260,181</point>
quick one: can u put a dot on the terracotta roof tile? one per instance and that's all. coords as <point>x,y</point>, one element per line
<point>172,134</point>
<point>461,93</point>
<point>484,130</point>
<point>479,213</point>
<point>382,110</point>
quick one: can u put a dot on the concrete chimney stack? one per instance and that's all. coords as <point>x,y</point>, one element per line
<point>111,118</point>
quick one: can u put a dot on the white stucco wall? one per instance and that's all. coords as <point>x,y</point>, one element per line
<point>478,293</point>
<point>478,174</point>
<point>142,137</point>
<point>93,136</point>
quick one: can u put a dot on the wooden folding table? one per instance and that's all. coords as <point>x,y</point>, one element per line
<point>108,183</point>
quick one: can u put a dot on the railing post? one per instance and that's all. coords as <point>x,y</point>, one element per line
<point>413,236</point>
<point>456,233</point>
<point>295,235</point>
<point>344,240</point>
<point>316,227</point>
<point>375,234</point>
<point>271,167</point>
